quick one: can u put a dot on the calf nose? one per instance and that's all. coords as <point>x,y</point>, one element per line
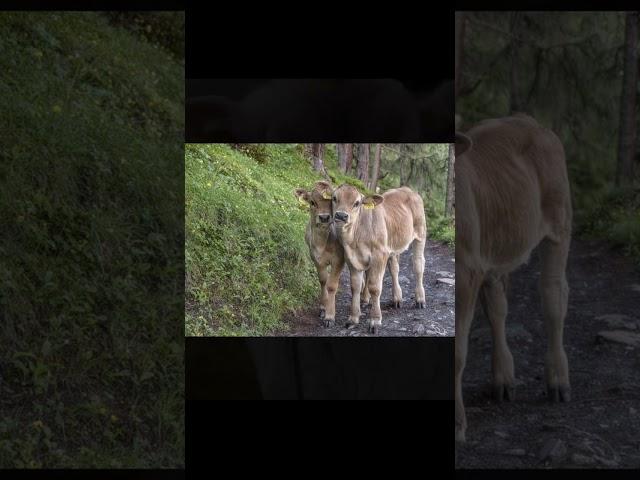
<point>324,218</point>
<point>341,216</point>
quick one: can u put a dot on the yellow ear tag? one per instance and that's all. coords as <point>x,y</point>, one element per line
<point>369,206</point>
<point>303,203</point>
<point>326,195</point>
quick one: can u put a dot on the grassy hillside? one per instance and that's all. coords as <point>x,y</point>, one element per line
<point>91,357</point>
<point>246,260</point>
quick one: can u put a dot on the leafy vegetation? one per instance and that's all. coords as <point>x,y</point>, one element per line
<point>247,264</point>
<point>429,178</point>
<point>91,357</point>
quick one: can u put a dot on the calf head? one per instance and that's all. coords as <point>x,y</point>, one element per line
<point>348,203</point>
<point>319,201</point>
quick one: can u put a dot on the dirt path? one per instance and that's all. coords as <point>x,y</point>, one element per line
<point>437,319</point>
<point>601,426</point>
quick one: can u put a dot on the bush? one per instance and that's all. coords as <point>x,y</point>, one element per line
<point>613,214</point>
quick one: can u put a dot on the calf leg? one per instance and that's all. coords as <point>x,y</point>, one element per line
<point>468,284</point>
<point>322,278</point>
<point>376,274</point>
<point>418,271</point>
<point>494,299</point>
<point>555,292</point>
<point>356,288</point>
<point>394,267</point>
<point>331,289</point>
<point>366,297</point>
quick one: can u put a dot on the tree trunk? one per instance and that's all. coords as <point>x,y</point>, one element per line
<point>373,181</point>
<point>460,27</point>
<point>451,194</point>
<point>349,154</point>
<point>627,131</point>
<point>412,164</point>
<point>345,156</point>
<point>318,156</point>
<point>363,162</point>
<point>515,101</point>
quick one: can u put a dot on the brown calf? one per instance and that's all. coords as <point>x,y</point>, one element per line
<point>512,194</point>
<point>324,248</point>
<point>371,229</point>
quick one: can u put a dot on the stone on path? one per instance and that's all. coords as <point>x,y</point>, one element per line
<point>619,336</point>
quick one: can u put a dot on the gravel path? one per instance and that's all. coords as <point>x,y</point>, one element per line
<point>600,427</point>
<point>437,319</point>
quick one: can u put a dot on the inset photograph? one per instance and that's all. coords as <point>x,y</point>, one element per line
<point>320,239</point>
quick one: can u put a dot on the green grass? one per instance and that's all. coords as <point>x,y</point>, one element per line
<point>246,260</point>
<point>247,264</point>
<point>91,128</point>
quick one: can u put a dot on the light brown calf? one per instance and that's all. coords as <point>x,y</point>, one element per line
<point>324,248</point>
<point>512,194</point>
<point>372,230</point>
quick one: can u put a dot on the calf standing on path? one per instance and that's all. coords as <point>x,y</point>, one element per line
<point>371,229</point>
<point>324,247</point>
<point>512,194</point>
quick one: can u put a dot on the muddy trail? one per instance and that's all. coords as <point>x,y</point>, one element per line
<point>437,319</point>
<point>600,427</point>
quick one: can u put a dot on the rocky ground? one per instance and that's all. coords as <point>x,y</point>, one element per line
<point>600,427</point>
<point>437,319</point>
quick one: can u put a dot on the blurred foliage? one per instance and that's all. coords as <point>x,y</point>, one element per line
<point>568,76</point>
<point>91,259</point>
<point>166,29</point>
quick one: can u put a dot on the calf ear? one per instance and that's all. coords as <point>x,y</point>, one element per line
<point>322,185</point>
<point>324,188</point>
<point>463,143</point>
<point>371,201</point>
<point>302,195</point>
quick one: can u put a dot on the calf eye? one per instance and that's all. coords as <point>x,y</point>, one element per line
<point>313,204</point>
<point>357,203</point>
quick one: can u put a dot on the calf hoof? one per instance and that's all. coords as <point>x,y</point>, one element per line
<point>349,325</point>
<point>460,434</point>
<point>373,329</point>
<point>420,304</point>
<point>328,322</point>
<point>559,393</point>
<point>321,313</point>
<point>504,392</point>
<point>396,304</point>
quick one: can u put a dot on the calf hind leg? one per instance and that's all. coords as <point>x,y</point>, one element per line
<point>494,300</point>
<point>418,272</point>
<point>554,292</point>
<point>466,295</point>
<point>394,267</point>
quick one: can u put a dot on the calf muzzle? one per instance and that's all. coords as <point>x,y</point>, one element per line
<point>341,216</point>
